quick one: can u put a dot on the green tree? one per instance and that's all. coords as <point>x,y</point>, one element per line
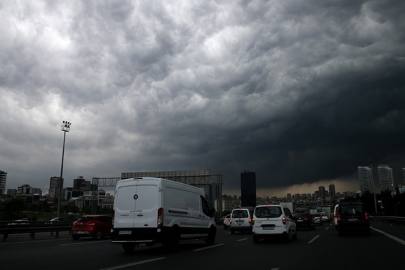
<point>12,208</point>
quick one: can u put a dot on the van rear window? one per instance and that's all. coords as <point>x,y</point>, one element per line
<point>268,212</point>
<point>351,209</point>
<point>240,214</point>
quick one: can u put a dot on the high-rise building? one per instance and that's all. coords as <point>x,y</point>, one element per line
<point>332,191</point>
<point>3,179</point>
<point>365,177</point>
<point>403,176</point>
<point>322,194</point>
<point>81,184</point>
<point>385,177</point>
<point>55,186</point>
<point>248,188</point>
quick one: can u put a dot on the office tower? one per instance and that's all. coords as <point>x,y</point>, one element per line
<point>54,186</point>
<point>385,177</point>
<point>248,188</point>
<point>403,176</point>
<point>322,192</point>
<point>81,184</point>
<point>332,191</point>
<point>3,179</point>
<point>365,177</point>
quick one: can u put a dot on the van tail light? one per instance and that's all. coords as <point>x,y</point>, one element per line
<point>339,218</point>
<point>366,216</point>
<point>252,221</point>
<point>230,221</point>
<point>284,220</point>
<point>160,218</point>
<point>92,224</point>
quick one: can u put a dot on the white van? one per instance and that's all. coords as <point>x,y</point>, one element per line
<point>335,216</point>
<point>241,220</point>
<point>154,210</point>
<point>273,221</point>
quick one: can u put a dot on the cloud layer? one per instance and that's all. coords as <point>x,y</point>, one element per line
<point>298,91</point>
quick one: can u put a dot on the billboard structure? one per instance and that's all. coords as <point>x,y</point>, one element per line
<point>197,178</point>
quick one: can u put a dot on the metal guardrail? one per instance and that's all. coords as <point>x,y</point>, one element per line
<point>21,227</point>
<point>388,218</point>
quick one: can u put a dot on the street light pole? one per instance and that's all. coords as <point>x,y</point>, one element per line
<point>65,127</point>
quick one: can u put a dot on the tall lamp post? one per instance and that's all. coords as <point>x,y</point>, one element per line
<point>65,127</point>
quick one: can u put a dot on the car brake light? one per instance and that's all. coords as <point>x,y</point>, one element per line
<point>306,219</point>
<point>366,216</point>
<point>230,221</point>
<point>284,220</point>
<point>253,221</point>
<point>92,224</point>
<point>160,218</point>
<point>338,218</point>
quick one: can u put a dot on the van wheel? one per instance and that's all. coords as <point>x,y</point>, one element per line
<point>211,236</point>
<point>232,231</point>
<point>295,236</point>
<point>128,247</point>
<point>255,239</point>
<point>98,235</point>
<point>173,240</point>
<point>340,232</point>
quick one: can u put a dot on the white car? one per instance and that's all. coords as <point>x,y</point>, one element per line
<point>241,220</point>
<point>273,221</point>
<point>227,221</point>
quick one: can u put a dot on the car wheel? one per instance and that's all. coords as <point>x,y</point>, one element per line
<point>173,240</point>
<point>225,227</point>
<point>340,232</point>
<point>288,236</point>
<point>128,247</point>
<point>232,231</point>
<point>211,236</point>
<point>255,239</point>
<point>98,235</point>
<point>75,237</point>
<point>295,235</point>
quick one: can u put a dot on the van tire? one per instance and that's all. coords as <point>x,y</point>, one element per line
<point>340,232</point>
<point>172,241</point>
<point>232,231</point>
<point>255,239</point>
<point>295,236</point>
<point>128,247</point>
<point>211,236</point>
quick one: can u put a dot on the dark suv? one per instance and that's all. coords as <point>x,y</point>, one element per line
<point>96,226</point>
<point>352,217</point>
<point>304,220</point>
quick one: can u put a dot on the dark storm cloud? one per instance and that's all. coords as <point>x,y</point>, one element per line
<point>298,91</point>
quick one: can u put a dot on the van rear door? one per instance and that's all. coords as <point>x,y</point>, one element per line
<point>136,205</point>
<point>147,204</point>
<point>124,205</point>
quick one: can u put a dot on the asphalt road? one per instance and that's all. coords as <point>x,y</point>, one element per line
<point>321,248</point>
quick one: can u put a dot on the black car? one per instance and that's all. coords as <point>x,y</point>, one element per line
<point>304,220</point>
<point>352,217</point>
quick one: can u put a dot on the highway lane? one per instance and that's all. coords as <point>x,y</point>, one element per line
<point>321,248</point>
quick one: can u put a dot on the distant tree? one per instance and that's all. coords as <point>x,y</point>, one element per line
<point>12,208</point>
<point>388,203</point>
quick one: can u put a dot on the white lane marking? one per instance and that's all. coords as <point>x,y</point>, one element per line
<point>274,268</point>
<point>132,264</point>
<point>242,239</point>
<point>326,228</point>
<point>313,239</point>
<point>390,236</point>
<point>82,243</point>
<point>198,249</point>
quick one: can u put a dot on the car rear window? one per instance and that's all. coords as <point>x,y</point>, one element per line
<point>351,209</point>
<point>85,219</point>
<point>240,214</point>
<point>302,215</point>
<point>271,212</point>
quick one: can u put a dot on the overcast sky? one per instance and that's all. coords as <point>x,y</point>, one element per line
<point>301,92</point>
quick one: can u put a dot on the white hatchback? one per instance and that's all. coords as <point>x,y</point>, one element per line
<point>273,221</point>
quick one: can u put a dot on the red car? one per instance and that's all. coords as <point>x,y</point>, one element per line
<point>96,226</point>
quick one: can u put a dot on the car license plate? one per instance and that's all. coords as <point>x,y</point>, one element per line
<point>80,232</point>
<point>352,219</point>
<point>299,220</point>
<point>268,228</point>
<point>124,232</point>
